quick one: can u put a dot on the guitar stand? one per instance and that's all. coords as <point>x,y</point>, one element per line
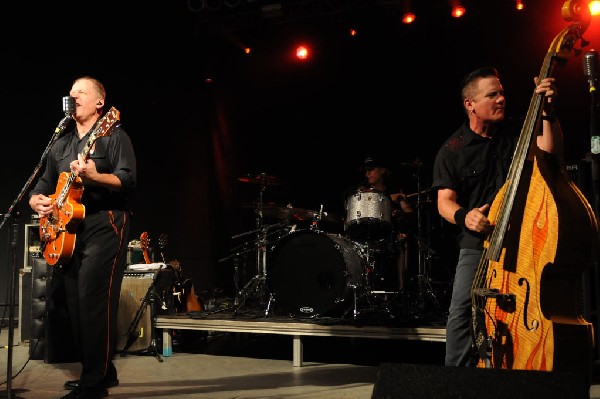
<point>133,333</point>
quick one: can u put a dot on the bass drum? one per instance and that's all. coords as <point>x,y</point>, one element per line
<point>311,273</point>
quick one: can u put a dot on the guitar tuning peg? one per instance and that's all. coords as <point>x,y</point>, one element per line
<point>584,43</point>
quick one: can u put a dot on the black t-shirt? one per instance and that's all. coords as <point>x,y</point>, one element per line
<point>112,153</point>
<point>475,167</point>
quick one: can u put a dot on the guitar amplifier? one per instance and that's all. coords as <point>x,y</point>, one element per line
<point>136,285</point>
<point>133,290</point>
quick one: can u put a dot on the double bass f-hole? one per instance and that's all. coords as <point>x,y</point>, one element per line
<point>535,323</point>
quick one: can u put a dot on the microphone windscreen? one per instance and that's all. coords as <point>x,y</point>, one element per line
<point>590,65</point>
<point>68,105</point>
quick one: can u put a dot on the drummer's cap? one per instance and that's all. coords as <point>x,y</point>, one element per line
<point>372,162</point>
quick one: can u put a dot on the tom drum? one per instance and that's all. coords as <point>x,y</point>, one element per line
<point>368,216</point>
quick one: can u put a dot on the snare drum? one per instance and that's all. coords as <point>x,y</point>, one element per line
<point>368,216</point>
<point>311,273</point>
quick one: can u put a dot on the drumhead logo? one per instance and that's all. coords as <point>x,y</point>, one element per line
<point>306,309</point>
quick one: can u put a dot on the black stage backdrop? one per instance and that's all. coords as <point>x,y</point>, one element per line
<point>202,113</point>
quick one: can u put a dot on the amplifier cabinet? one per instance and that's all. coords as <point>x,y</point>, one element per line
<point>133,290</point>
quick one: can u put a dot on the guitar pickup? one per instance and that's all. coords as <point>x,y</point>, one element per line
<point>506,302</point>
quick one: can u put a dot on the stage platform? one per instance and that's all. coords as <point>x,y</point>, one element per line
<point>374,326</point>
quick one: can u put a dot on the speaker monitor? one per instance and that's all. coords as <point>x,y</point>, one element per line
<point>409,381</point>
<point>133,290</point>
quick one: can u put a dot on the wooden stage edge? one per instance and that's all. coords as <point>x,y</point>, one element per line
<point>293,328</point>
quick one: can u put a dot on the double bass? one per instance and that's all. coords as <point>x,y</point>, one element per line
<point>527,291</point>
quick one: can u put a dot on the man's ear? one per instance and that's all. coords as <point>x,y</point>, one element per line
<point>468,104</point>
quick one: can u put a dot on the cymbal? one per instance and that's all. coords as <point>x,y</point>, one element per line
<point>297,214</point>
<point>307,214</point>
<point>277,212</point>
<point>252,205</point>
<point>262,179</point>
<point>289,212</point>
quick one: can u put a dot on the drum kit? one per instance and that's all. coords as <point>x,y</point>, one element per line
<point>310,273</point>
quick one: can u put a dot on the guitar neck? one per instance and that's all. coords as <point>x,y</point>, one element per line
<point>102,129</point>
<point>72,176</point>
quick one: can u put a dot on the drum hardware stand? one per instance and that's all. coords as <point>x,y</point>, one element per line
<point>424,288</point>
<point>132,332</point>
<point>354,308</point>
<point>257,286</point>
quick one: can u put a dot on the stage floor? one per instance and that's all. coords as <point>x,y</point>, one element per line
<point>223,364</point>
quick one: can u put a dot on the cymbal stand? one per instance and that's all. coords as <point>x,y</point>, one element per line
<point>257,285</point>
<point>424,252</point>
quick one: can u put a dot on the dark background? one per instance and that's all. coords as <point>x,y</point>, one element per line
<point>202,113</point>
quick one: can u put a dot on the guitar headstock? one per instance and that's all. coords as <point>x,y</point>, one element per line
<point>163,240</point>
<point>145,244</point>
<point>144,241</point>
<point>103,129</point>
<point>106,123</point>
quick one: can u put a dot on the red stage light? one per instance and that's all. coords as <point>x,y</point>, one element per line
<point>408,18</point>
<point>458,11</point>
<point>594,6</point>
<point>519,5</point>
<point>302,52</point>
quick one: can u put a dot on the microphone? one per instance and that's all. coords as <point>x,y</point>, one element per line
<point>68,104</point>
<point>590,67</point>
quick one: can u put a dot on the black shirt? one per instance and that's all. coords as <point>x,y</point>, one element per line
<point>112,154</point>
<point>475,167</point>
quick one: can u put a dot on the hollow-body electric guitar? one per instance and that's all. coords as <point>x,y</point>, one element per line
<point>57,230</point>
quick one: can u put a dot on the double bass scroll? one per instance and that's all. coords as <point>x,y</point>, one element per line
<point>526,293</point>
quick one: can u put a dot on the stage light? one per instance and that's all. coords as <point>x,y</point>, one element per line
<point>594,6</point>
<point>302,52</point>
<point>519,5</point>
<point>352,32</point>
<point>408,18</point>
<point>247,50</point>
<point>457,10</point>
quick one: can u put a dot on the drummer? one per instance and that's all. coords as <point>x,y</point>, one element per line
<point>378,178</point>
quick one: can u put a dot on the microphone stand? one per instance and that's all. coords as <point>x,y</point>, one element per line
<point>595,146</point>
<point>13,215</point>
<point>594,158</point>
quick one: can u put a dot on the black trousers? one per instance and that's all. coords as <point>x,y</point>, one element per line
<point>93,279</point>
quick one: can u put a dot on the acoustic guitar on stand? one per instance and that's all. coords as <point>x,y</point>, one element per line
<point>186,299</point>
<point>57,230</point>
